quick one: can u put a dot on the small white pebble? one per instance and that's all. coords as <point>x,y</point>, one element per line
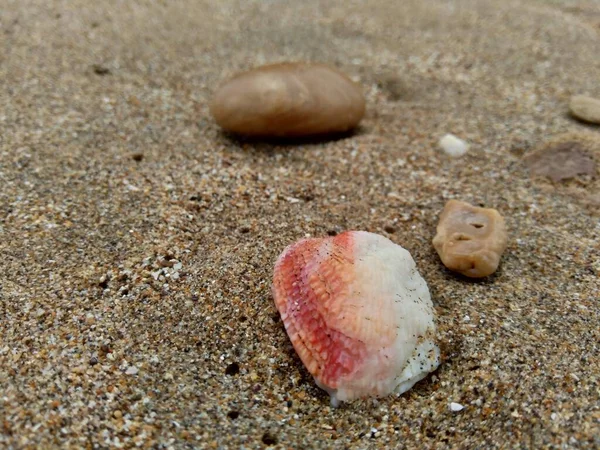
<point>575,377</point>
<point>455,407</point>
<point>453,146</point>
<point>466,318</point>
<point>132,370</point>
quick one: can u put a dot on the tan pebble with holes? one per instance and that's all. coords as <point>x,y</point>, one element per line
<point>470,240</point>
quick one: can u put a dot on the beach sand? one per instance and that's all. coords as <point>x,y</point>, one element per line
<point>138,240</point>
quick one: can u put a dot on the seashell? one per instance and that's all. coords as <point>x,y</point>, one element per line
<point>358,314</point>
<point>288,99</point>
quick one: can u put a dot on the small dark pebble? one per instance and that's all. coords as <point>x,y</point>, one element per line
<point>245,230</point>
<point>93,361</point>
<point>100,69</point>
<point>232,369</point>
<point>275,317</point>
<point>332,233</point>
<point>269,439</point>
<point>289,403</point>
<point>393,86</point>
<point>389,229</point>
<point>195,298</point>
<point>243,319</point>
<point>122,277</point>
<point>233,415</point>
<point>137,157</point>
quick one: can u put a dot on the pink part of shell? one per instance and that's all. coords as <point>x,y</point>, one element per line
<point>306,286</point>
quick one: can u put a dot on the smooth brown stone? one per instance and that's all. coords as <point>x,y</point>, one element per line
<point>470,240</point>
<point>289,99</point>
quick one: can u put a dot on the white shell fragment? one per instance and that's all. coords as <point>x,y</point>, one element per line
<point>456,407</point>
<point>453,146</point>
<point>358,314</point>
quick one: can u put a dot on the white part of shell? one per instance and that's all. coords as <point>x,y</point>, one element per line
<point>453,146</point>
<point>389,271</point>
<point>426,356</point>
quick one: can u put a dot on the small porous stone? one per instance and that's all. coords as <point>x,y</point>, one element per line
<point>288,100</point>
<point>453,146</point>
<point>585,108</point>
<point>470,240</point>
<point>561,161</point>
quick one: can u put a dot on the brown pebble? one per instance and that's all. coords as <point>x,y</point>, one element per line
<point>470,240</point>
<point>288,99</point>
<point>561,161</point>
<point>585,108</point>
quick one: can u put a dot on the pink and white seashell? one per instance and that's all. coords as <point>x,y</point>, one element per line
<point>358,314</point>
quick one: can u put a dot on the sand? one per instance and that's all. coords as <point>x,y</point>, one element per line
<point>138,241</point>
